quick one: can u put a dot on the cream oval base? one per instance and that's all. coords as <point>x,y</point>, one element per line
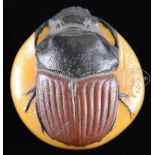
<point>129,76</point>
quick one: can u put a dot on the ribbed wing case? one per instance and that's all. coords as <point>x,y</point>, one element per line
<point>76,112</point>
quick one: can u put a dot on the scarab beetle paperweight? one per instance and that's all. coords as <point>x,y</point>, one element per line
<point>76,83</point>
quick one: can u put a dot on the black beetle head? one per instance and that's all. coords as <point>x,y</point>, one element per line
<point>75,46</point>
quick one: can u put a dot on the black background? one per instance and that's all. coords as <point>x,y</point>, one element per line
<point>130,17</point>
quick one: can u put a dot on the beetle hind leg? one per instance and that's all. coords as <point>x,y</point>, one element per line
<point>32,91</point>
<point>40,121</point>
<point>123,97</point>
<point>33,94</point>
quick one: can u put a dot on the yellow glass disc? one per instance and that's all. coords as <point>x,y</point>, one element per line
<point>129,76</point>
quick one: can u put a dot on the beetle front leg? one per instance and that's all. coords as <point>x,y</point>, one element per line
<point>33,94</point>
<point>123,97</point>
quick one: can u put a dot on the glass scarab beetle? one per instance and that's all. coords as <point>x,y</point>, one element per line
<point>80,70</point>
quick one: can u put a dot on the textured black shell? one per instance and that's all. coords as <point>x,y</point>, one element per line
<point>75,46</point>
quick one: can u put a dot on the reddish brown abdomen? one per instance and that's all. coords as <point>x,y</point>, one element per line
<point>77,112</point>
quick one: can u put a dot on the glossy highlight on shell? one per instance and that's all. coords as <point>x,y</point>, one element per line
<point>76,112</point>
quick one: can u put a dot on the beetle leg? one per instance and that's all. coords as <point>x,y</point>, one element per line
<point>39,118</point>
<point>111,29</point>
<point>122,97</point>
<point>38,31</point>
<point>33,91</point>
<point>33,94</point>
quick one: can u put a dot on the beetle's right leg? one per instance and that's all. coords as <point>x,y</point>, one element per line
<point>33,94</point>
<point>123,97</point>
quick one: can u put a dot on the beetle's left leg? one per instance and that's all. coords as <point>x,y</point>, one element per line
<point>40,120</point>
<point>33,94</point>
<point>123,97</point>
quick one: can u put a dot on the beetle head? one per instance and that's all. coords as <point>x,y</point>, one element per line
<point>75,45</point>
